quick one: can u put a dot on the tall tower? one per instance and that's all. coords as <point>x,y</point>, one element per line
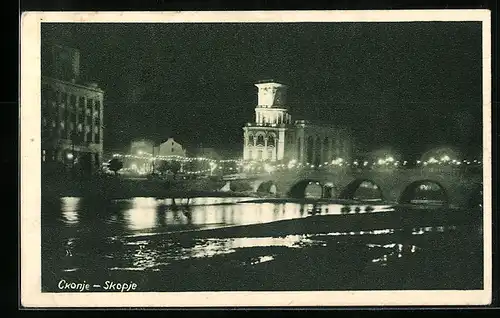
<point>264,139</point>
<point>271,107</point>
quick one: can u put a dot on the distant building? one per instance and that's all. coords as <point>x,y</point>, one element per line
<point>273,136</point>
<point>141,147</point>
<point>170,148</point>
<point>71,112</point>
<point>209,153</point>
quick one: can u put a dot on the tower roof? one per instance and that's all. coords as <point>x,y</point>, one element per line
<point>270,81</point>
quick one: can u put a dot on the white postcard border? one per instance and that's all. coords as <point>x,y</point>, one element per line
<point>31,295</point>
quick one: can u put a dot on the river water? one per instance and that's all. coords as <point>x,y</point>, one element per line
<point>131,240</point>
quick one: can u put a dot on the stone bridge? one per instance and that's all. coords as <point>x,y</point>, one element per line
<point>394,186</point>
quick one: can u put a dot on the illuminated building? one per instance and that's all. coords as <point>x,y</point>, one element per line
<point>273,136</point>
<point>170,148</point>
<point>71,112</point>
<point>141,147</point>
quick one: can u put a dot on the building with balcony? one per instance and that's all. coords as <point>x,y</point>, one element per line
<point>71,113</point>
<point>273,136</point>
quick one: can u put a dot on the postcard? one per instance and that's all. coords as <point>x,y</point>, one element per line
<point>256,158</point>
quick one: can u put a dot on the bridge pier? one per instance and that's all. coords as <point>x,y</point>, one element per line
<point>390,185</point>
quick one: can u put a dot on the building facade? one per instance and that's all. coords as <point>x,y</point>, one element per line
<point>273,136</point>
<point>71,113</point>
<point>141,147</point>
<point>170,148</point>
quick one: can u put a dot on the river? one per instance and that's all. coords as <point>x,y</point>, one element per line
<point>134,240</point>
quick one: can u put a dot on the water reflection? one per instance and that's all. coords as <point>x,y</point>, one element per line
<point>157,215</point>
<point>120,235</point>
<point>69,207</point>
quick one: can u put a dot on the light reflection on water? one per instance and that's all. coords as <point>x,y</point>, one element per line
<point>157,215</point>
<point>113,221</point>
<point>69,207</point>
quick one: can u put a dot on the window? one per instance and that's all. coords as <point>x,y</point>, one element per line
<point>90,103</point>
<point>270,141</point>
<point>64,100</point>
<point>72,102</point>
<point>81,104</point>
<point>260,140</point>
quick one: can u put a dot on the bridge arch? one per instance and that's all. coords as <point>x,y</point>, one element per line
<point>268,187</point>
<point>366,187</point>
<point>298,190</point>
<point>424,191</point>
<point>328,190</point>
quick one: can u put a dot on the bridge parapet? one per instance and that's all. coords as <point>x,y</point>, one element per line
<point>460,188</point>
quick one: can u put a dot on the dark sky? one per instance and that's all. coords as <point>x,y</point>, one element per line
<point>410,86</point>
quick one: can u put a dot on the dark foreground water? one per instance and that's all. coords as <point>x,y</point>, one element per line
<point>155,244</point>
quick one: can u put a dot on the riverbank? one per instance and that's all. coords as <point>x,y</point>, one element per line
<point>402,221</point>
<point>116,187</point>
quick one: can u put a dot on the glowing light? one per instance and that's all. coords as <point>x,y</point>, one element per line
<point>69,156</point>
<point>268,168</point>
<point>365,163</point>
<point>337,161</point>
<point>445,158</point>
<point>390,159</point>
<point>432,160</point>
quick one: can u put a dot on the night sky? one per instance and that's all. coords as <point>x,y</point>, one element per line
<point>410,86</point>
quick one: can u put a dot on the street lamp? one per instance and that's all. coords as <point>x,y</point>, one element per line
<point>71,156</point>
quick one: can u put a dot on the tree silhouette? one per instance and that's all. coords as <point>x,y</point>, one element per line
<point>115,165</point>
<point>170,165</point>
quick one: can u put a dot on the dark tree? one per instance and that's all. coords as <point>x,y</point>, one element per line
<point>115,165</point>
<point>170,165</point>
